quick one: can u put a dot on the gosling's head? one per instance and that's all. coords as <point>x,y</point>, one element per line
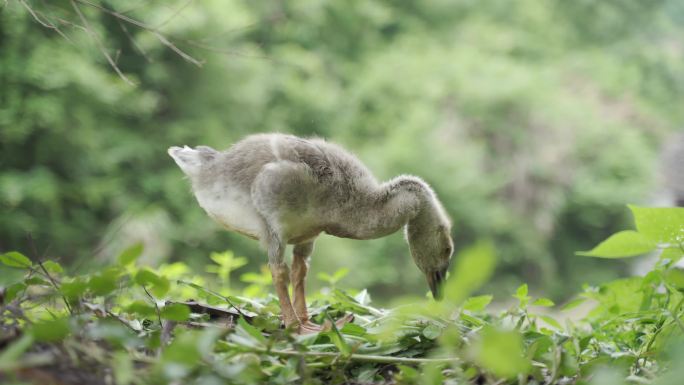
<point>429,239</point>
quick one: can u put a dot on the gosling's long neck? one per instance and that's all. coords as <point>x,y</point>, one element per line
<point>404,200</point>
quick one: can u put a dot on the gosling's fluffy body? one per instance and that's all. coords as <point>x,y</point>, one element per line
<point>283,189</point>
<point>299,188</point>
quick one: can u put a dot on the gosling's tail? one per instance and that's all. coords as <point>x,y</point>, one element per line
<point>191,160</point>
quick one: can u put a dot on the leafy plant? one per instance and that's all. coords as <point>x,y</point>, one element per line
<point>139,325</point>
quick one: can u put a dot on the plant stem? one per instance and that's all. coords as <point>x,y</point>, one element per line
<point>353,357</point>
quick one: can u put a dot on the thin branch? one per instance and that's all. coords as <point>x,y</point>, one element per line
<point>93,34</point>
<point>197,287</point>
<point>135,45</point>
<point>175,49</point>
<point>144,26</point>
<point>45,23</point>
<point>156,307</point>
<point>34,251</point>
<point>178,11</point>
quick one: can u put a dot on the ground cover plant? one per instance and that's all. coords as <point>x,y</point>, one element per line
<point>133,324</point>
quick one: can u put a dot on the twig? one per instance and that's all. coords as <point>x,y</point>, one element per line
<point>34,251</point>
<point>352,357</point>
<point>144,26</point>
<point>179,10</point>
<point>156,307</point>
<point>46,23</point>
<point>133,42</point>
<point>214,294</point>
<point>99,44</point>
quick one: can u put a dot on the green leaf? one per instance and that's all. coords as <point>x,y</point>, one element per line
<point>11,355</point>
<point>521,295</point>
<point>157,284</point>
<point>432,331</point>
<point>130,254</point>
<point>15,259</point>
<point>337,338</point>
<point>478,303</point>
<point>551,321</point>
<point>184,350</point>
<point>502,352</point>
<point>104,283</point>
<point>626,243</point>
<point>673,254</point>
<point>53,267</point>
<point>50,330</point>
<point>573,304</point>
<point>141,308</point>
<point>251,330</point>
<point>73,289</point>
<point>122,364</point>
<point>675,277</point>
<point>543,302</point>
<point>12,291</point>
<point>472,269</point>
<point>660,224</point>
<point>175,312</point>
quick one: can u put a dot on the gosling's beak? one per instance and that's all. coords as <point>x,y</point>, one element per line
<point>435,280</point>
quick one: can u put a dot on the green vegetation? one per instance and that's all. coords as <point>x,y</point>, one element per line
<point>131,324</point>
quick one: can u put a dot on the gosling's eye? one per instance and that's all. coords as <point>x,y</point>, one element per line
<point>447,251</point>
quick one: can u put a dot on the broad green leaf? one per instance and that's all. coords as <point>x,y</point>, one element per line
<point>104,283</point>
<point>73,289</point>
<point>660,224</point>
<point>673,254</point>
<point>626,243</point>
<point>53,267</point>
<point>353,329</point>
<point>157,284</point>
<point>183,350</point>
<point>252,331</point>
<point>337,338</point>
<point>141,308</point>
<point>675,277</point>
<point>472,269</point>
<point>340,273</point>
<point>551,321</point>
<point>176,312</point>
<point>15,259</point>
<point>50,330</point>
<point>130,254</point>
<point>573,303</point>
<point>502,352</point>
<point>432,331</point>
<point>478,303</point>
<point>521,295</point>
<point>543,302</point>
<point>12,291</point>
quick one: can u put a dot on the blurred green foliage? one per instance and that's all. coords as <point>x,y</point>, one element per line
<point>534,121</point>
<point>629,332</point>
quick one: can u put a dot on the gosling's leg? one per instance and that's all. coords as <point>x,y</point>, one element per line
<point>300,266</point>
<point>281,274</point>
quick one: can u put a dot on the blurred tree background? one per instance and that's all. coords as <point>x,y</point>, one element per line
<point>535,121</point>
